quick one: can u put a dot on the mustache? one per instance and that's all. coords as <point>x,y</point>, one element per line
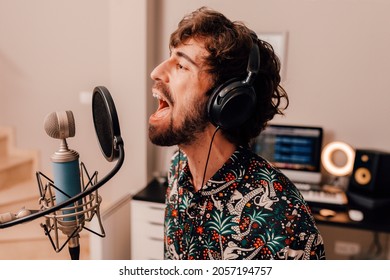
<point>163,88</point>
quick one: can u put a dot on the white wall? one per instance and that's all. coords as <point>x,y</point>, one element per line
<point>336,68</point>
<point>50,51</point>
<point>337,62</point>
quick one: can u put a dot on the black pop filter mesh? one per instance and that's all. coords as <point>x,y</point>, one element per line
<point>106,122</point>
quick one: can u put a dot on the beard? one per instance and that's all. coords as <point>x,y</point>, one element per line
<point>195,122</point>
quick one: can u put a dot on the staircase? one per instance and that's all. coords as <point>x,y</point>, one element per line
<point>18,189</point>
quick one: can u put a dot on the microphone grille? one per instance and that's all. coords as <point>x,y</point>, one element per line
<point>60,125</point>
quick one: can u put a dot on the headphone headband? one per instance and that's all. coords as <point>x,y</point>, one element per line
<point>253,62</point>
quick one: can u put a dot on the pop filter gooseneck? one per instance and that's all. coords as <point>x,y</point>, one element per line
<point>108,132</point>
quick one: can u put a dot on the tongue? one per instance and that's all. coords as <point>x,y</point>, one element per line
<point>161,113</point>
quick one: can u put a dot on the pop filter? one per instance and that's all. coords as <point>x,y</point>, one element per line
<point>106,123</point>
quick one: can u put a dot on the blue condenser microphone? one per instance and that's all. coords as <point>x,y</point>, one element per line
<point>66,172</point>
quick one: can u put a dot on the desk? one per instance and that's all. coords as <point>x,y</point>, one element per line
<point>153,192</point>
<point>341,219</point>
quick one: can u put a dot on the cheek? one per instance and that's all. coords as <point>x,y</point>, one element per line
<point>190,92</point>
<point>184,94</point>
<point>184,108</point>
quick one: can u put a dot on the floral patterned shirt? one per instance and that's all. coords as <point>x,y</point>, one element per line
<point>247,210</point>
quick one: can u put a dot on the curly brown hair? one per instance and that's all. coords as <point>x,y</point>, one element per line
<point>228,44</point>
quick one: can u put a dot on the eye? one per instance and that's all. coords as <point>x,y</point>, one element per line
<point>180,67</point>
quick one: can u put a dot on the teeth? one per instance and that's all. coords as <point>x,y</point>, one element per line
<point>155,95</point>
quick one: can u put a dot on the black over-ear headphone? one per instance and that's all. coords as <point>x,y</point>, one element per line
<point>232,103</point>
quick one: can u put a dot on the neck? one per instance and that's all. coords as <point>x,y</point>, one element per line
<point>197,153</point>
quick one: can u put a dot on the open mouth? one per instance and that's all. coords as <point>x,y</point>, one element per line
<point>163,106</point>
<point>162,102</point>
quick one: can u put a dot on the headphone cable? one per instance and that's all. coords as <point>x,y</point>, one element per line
<point>208,155</point>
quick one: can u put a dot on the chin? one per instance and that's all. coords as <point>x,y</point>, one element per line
<point>159,137</point>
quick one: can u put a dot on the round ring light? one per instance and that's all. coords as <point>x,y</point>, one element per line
<point>327,158</point>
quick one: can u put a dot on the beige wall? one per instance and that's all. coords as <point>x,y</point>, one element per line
<point>336,69</point>
<point>337,63</point>
<point>50,51</point>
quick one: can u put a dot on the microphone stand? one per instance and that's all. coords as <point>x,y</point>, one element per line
<point>90,188</point>
<point>74,249</point>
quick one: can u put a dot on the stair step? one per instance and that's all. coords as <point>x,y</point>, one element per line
<point>15,169</point>
<point>39,249</point>
<point>6,137</point>
<point>25,194</point>
<point>28,241</point>
<point>3,144</point>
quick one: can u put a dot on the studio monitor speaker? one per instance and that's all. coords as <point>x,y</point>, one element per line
<point>371,174</point>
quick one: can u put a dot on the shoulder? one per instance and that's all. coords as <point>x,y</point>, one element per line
<point>260,171</point>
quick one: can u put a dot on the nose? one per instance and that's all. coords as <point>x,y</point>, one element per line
<point>160,72</point>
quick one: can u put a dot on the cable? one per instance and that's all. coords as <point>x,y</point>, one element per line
<point>178,165</point>
<point>208,156</point>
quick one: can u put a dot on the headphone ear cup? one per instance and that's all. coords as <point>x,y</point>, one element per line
<point>231,104</point>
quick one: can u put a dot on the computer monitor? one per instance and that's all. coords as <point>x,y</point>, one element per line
<point>295,150</point>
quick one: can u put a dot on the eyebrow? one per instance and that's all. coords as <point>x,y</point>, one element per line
<point>186,57</point>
